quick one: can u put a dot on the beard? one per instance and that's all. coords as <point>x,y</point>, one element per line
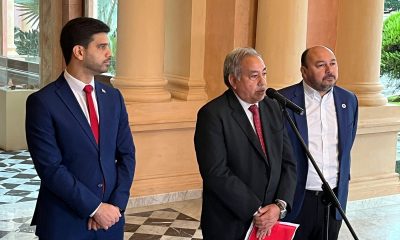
<point>98,68</point>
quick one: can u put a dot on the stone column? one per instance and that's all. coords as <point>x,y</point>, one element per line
<point>358,49</point>
<point>281,38</point>
<point>140,52</point>
<point>184,48</point>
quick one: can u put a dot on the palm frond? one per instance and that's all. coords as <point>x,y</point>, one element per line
<point>30,11</point>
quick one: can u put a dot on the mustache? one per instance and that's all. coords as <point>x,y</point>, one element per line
<point>262,89</point>
<point>329,75</point>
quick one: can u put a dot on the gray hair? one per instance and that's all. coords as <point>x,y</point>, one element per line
<point>233,61</point>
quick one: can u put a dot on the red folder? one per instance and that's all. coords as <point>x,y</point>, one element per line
<point>280,231</point>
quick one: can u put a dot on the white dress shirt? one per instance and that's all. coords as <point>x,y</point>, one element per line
<point>322,137</point>
<point>77,88</point>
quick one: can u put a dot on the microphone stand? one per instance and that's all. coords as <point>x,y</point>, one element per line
<point>332,199</point>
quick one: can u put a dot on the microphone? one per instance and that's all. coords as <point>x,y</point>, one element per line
<point>272,93</point>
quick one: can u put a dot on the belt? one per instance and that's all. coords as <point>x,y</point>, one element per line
<point>319,193</point>
<point>315,193</point>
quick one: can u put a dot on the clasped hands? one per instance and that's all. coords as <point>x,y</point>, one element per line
<point>106,216</point>
<point>265,218</point>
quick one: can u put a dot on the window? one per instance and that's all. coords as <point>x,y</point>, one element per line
<point>19,63</point>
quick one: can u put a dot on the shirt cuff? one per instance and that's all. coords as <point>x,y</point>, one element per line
<point>256,211</point>
<point>94,212</point>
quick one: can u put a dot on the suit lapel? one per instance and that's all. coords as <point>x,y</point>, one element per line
<point>300,120</point>
<point>101,101</point>
<point>67,96</point>
<point>241,118</point>
<point>341,108</point>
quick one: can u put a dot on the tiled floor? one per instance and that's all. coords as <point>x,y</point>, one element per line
<point>372,219</point>
<point>19,187</point>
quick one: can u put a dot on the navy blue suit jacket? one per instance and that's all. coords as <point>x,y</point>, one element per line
<point>77,174</point>
<point>347,115</point>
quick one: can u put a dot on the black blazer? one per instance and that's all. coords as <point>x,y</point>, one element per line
<point>237,176</point>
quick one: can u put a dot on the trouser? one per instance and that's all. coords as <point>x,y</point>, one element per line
<point>312,218</point>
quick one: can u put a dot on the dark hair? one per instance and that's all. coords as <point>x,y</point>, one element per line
<point>304,58</point>
<point>234,59</point>
<point>79,31</point>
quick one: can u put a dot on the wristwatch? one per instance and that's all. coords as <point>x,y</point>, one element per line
<point>282,207</point>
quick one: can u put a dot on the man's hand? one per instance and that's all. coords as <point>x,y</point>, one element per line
<point>262,233</point>
<point>93,225</point>
<point>107,215</point>
<point>265,219</point>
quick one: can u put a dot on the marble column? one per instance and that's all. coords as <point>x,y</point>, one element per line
<point>281,38</point>
<point>358,49</point>
<point>140,52</point>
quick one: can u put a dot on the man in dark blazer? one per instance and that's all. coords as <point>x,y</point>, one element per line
<point>328,127</point>
<point>83,154</point>
<point>243,180</point>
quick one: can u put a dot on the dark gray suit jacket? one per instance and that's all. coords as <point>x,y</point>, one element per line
<point>237,176</point>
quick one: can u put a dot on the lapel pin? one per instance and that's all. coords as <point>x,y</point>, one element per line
<point>104,91</point>
<point>343,105</point>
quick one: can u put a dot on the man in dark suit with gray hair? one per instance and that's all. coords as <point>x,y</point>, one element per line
<point>244,154</point>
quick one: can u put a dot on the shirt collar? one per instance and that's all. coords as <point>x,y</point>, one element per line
<point>244,104</point>
<point>312,93</point>
<point>76,84</point>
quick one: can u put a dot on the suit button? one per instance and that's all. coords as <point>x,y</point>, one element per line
<point>100,185</point>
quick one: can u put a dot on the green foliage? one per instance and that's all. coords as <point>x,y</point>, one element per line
<point>113,45</point>
<point>390,62</point>
<point>395,98</point>
<point>392,4</point>
<point>30,11</point>
<point>107,12</point>
<point>27,43</point>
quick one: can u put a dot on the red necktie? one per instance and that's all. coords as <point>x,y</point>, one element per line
<point>257,124</point>
<point>94,123</point>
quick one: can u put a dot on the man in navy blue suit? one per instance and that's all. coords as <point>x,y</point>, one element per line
<point>81,143</point>
<point>328,127</point>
